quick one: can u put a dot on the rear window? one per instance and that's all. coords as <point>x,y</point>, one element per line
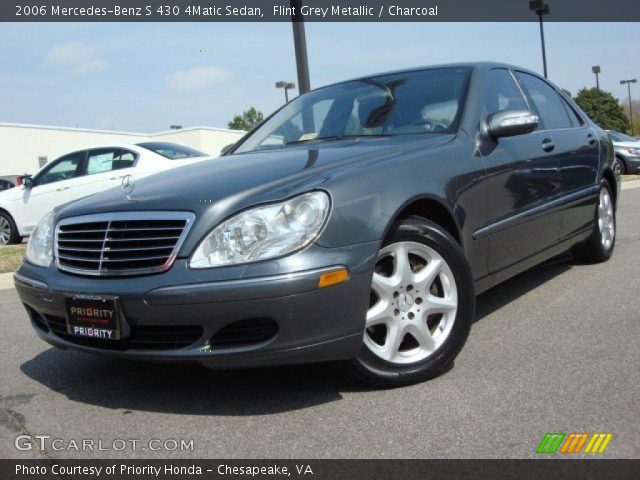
<point>172,151</point>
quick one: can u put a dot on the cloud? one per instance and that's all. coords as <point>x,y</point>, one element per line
<point>197,78</point>
<point>80,57</point>
<point>92,66</point>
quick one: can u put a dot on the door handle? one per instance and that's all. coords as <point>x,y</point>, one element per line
<point>591,139</point>
<point>117,178</point>
<point>548,145</point>
<point>62,189</point>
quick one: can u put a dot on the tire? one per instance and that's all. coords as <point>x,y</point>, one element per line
<point>619,164</point>
<point>419,316</point>
<point>599,246</point>
<point>8,231</point>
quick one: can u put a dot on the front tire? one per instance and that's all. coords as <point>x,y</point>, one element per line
<point>8,231</point>
<point>618,164</point>
<point>599,246</point>
<point>422,305</point>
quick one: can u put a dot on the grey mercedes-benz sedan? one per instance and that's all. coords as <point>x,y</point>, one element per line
<point>358,223</point>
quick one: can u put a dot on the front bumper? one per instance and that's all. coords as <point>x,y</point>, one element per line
<point>174,316</point>
<point>632,164</point>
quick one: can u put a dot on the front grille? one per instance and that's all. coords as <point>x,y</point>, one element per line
<point>126,243</point>
<point>141,337</point>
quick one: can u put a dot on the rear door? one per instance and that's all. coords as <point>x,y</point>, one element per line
<point>522,177</point>
<point>105,168</point>
<point>53,186</point>
<point>576,147</point>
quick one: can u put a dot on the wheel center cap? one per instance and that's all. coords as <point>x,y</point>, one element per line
<point>405,302</point>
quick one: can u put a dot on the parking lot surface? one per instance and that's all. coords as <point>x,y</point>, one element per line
<point>553,350</point>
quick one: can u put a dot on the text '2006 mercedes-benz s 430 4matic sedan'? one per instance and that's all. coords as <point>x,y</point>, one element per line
<point>358,223</point>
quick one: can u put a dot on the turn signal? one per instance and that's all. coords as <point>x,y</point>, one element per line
<point>333,278</point>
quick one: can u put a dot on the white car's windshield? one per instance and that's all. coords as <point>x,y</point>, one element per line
<point>415,102</point>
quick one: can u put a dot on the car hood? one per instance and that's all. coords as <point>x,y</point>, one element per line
<point>220,187</point>
<point>189,187</point>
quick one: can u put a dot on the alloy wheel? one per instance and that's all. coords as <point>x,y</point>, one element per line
<point>5,231</point>
<point>413,303</point>
<point>606,220</point>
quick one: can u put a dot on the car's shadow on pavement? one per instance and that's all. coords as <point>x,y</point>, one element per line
<point>194,390</point>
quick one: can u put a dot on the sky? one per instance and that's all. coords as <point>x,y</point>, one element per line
<point>143,77</point>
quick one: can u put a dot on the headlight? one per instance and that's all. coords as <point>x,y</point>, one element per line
<point>264,232</point>
<point>40,246</point>
<point>631,150</point>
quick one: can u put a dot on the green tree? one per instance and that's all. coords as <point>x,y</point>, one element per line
<point>603,109</point>
<point>247,120</point>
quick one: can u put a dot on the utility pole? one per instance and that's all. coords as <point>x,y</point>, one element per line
<point>596,69</point>
<point>300,45</point>
<point>541,8</point>
<point>628,83</point>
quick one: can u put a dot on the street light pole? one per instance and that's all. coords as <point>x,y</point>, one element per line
<point>541,8</point>
<point>300,46</point>
<point>596,69</point>
<point>628,83</point>
<point>286,86</point>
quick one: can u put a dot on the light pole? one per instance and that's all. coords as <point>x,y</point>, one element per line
<point>541,8</point>
<point>300,46</point>
<point>286,86</point>
<point>596,70</point>
<point>628,83</point>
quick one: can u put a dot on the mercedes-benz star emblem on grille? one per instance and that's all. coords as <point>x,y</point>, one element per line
<point>127,185</point>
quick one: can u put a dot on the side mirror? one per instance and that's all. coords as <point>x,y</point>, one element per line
<point>226,148</point>
<point>509,123</point>
<point>26,180</point>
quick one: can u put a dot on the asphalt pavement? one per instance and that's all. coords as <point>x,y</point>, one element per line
<point>555,349</point>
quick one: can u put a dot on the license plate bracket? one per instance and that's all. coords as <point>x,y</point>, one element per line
<point>93,316</point>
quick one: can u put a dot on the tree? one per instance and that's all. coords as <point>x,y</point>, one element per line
<point>603,109</point>
<point>247,120</point>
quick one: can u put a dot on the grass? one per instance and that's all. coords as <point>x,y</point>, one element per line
<point>11,257</point>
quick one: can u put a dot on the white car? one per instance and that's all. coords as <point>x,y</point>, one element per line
<point>82,173</point>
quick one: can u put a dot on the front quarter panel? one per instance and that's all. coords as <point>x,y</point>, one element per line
<point>366,201</point>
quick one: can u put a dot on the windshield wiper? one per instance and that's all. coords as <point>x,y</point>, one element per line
<point>337,137</point>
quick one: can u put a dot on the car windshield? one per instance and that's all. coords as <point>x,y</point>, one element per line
<point>415,102</point>
<point>172,151</point>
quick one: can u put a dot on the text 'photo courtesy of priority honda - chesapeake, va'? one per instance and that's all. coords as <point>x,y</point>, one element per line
<point>319,239</point>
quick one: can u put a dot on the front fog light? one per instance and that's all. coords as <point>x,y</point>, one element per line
<point>264,232</point>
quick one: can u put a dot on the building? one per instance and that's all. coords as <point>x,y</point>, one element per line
<point>26,148</point>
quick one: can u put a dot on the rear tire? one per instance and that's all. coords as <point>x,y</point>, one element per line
<point>599,246</point>
<point>421,309</point>
<point>8,231</point>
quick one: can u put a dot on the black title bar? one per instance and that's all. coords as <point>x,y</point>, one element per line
<point>316,11</point>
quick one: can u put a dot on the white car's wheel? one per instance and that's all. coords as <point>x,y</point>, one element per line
<point>8,230</point>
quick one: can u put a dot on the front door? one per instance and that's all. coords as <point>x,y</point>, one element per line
<point>522,177</point>
<point>51,187</point>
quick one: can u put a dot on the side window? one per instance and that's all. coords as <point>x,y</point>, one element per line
<point>548,104</point>
<point>502,93</point>
<point>104,160</point>
<point>125,159</point>
<point>63,169</point>
<point>576,120</point>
